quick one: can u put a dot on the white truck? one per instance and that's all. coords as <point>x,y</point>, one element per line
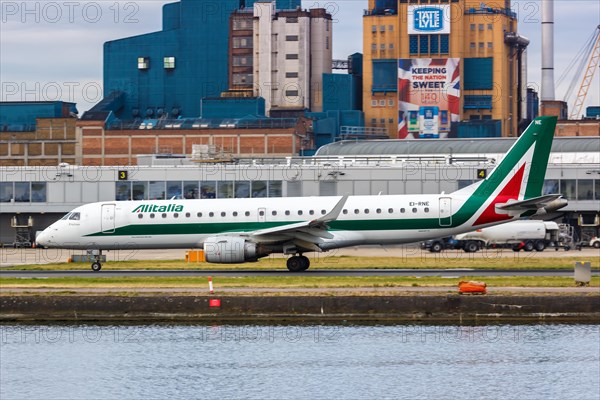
<point>528,235</point>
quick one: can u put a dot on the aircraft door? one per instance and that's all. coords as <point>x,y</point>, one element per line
<point>262,215</point>
<point>445,211</point>
<point>108,218</point>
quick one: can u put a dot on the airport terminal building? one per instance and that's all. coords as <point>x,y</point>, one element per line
<point>31,198</point>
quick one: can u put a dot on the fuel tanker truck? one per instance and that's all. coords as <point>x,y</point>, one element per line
<point>527,235</point>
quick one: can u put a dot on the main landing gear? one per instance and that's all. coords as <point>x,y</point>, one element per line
<point>298,263</point>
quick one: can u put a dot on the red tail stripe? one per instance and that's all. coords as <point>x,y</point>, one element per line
<point>510,191</point>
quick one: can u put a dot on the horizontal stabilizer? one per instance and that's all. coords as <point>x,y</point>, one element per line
<point>534,203</point>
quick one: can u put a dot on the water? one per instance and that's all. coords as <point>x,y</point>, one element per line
<point>306,362</point>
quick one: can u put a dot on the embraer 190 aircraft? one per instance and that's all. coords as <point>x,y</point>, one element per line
<point>244,230</point>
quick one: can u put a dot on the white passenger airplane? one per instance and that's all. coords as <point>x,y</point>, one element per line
<point>244,230</point>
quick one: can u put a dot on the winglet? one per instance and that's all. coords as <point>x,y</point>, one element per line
<point>319,223</point>
<point>335,212</point>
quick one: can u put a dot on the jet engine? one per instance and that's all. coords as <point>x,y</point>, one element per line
<point>230,250</point>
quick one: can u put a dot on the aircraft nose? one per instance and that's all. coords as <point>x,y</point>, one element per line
<point>44,239</point>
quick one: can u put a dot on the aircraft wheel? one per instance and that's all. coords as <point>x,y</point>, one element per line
<point>295,264</point>
<point>529,246</point>
<point>540,246</point>
<point>305,262</point>
<point>96,266</point>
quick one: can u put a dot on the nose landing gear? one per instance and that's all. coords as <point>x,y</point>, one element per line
<point>96,258</point>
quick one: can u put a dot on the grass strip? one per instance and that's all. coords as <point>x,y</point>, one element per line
<point>282,282</point>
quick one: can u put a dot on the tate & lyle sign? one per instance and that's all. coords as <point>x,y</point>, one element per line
<point>432,19</point>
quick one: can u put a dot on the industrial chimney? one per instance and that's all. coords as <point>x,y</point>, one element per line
<point>548,50</point>
<point>549,105</point>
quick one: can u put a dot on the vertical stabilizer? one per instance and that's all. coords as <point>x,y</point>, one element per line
<point>519,176</point>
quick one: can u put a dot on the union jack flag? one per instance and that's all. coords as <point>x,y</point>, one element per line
<point>402,128</point>
<point>453,94</point>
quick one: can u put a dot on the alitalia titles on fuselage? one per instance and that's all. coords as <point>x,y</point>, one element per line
<point>146,208</point>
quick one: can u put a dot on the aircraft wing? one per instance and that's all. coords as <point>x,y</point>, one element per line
<point>305,235</point>
<point>550,202</point>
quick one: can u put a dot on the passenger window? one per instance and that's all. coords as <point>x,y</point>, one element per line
<point>287,212</point>
<point>356,211</point>
<point>151,215</point>
<point>299,212</point>
<point>312,212</point>
<point>414,210</point>
<point>344,211</point>
<point>74,216</point>
<point>199,215</point>
<point>378,211</point>
<point>140,215</point>
<point>391,210</point>
<point>176,215</point>
<point>426,209</point>
<point>261,213</point>
<point>273,213</point>
<point>366,210</point>
<point>223,214</point>
<point>247,213</point>
<point>187,215</point>
<point>323,212</point>
<point>211,214</point>
<point>402,210</point>
<point>164,215</point>
<point>235,213</point>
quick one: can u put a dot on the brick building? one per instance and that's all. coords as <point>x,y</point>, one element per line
<point>52,142</point>
<point>101,146</point>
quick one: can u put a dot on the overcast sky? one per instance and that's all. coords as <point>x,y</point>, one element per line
<point>53,50</point>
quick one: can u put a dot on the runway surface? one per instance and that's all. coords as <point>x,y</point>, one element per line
<point>449,273</point>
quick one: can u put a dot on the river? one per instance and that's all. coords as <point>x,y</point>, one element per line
<point>299,362</point>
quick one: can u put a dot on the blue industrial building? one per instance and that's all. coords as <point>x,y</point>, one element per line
<point>342,105</point>
<point>182,71</point>
<point>232,108</point>
<point>20,116</point>
<point>168,72</point>
<point>592,112</point>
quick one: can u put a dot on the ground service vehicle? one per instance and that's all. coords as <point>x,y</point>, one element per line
<point>528,235</point>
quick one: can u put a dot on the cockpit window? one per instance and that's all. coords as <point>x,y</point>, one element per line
<point>66,216</point>
<point>74,216</point>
